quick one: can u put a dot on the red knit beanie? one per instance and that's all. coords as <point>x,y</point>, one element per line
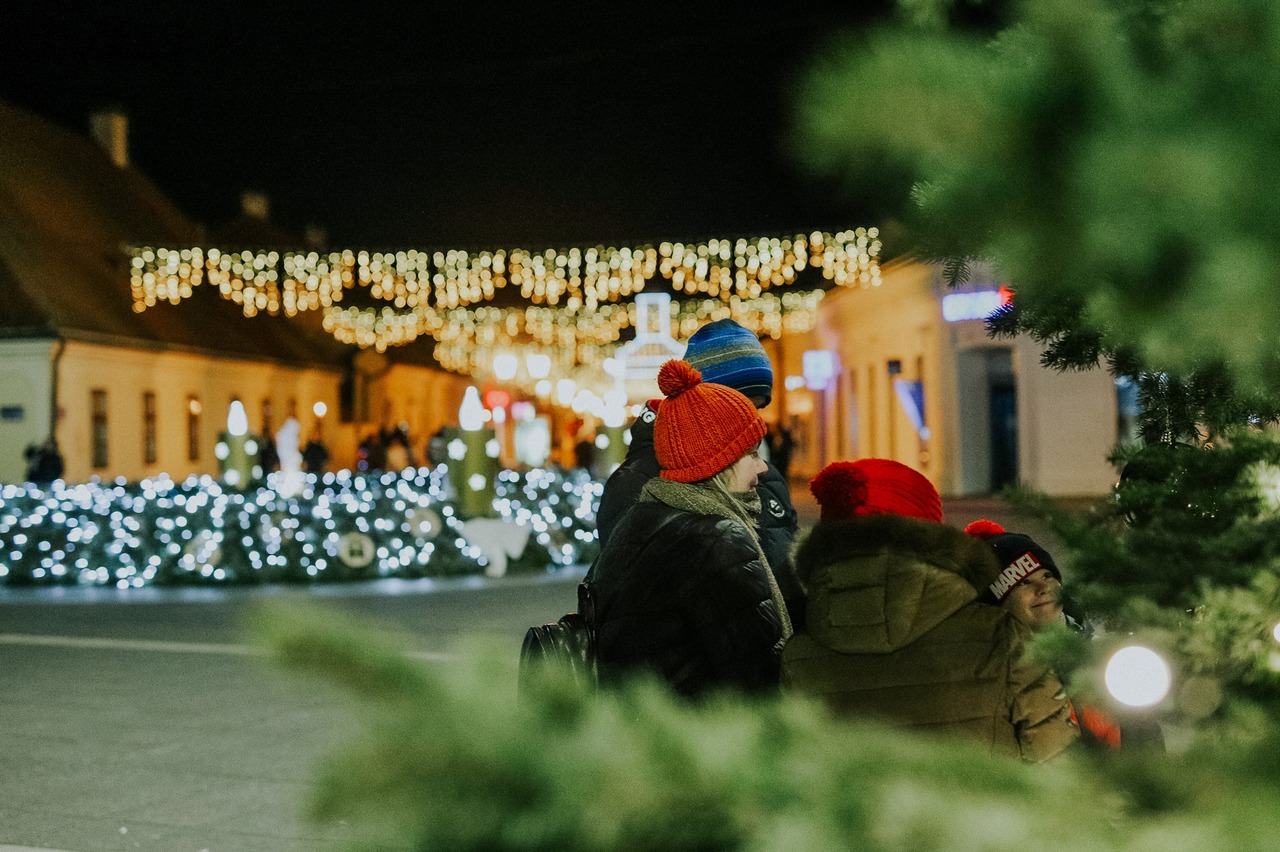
<point>701,428</point>
<point>875,487</point>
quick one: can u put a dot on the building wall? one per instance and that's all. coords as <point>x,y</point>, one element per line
<point>422,398</point>
<point>867,328</point>
<point>1069,420</point>
<point>176,378</point>
<point>24,398</point>
<point>1066,422</point>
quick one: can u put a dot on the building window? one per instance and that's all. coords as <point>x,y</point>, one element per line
<point>98,407</point>
<point>149,453</point>
<point>1128,410</point>
<point>193,428</point>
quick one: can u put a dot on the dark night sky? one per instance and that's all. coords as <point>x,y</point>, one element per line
<point>469,124</point>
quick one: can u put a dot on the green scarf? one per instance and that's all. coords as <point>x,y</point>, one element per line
<point>743,509</point>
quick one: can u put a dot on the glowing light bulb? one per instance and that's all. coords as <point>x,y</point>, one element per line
<point>565,390</point>
<point>505,366</point>
<point>537,364</point>
<point>1137,676</point>
<point>471,412</point>
<point>237,419</point>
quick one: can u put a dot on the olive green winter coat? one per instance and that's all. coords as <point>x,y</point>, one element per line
<point>894,632</point>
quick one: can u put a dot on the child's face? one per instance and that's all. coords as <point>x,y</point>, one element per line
<point>1037,600</point>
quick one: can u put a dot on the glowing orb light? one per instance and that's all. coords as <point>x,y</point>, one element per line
<point>1137,676</point>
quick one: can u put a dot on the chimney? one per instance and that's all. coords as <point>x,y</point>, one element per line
<point>110,129</point>
<point>255,205</point>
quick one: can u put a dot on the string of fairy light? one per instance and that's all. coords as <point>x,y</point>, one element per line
<point>196,531</point>
<point>576,299</point>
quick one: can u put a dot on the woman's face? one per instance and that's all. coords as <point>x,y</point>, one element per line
<point>1037,600</point>
<point>745,472</point>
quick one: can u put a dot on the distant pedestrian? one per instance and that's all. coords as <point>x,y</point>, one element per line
<point>315,455</point>
<point>438,447</point>
<point>780,446</point>
<point>46,464</point>
<point>369,454</point>
<point>584,452</point>
<point>268,456</point>
<point>895,630</point>
<point>397,452</point>
<point>29,455</point>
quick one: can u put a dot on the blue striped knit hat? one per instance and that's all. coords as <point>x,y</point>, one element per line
<point>730,355</point>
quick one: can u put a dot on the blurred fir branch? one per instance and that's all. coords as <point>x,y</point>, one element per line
<point>1112,158</point>
<point>464,765</point>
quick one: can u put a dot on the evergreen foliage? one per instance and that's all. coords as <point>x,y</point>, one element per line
<point>453,760</point>
<point>1115,160</point>
<point>1187,557</point>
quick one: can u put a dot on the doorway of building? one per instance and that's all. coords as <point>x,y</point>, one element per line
<point>1002,411</point>
<point>988,419</point>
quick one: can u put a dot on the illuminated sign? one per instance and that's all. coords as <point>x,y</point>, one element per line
<point>958,307</point>
<point>819,368</point>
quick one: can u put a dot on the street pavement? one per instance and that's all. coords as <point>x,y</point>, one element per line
<point>143,720</point>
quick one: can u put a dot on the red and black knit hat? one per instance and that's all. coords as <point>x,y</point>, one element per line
<point>701,428</point>
<point>875,487</point>
<point>1019,557</point>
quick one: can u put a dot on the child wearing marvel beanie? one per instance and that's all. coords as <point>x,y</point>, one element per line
<point>894,628</point>
<point>1029,587</point>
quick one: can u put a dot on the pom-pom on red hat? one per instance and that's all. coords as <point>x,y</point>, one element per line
<point>701,428</point>
<point>1019,557</point>
<point>875,487</point>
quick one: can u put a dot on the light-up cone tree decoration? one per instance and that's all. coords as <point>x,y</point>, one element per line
<point>473,459</point>
<point>237,453</point>
<point>611,437</point>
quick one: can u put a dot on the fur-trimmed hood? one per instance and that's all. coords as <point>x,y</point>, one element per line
<point>878,583</point>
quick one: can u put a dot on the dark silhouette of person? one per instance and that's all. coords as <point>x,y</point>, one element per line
<point>780,446</point>
<point>315,456</point>
<point>45,464</point>
<point>584,453</point>
<point>268,456</point>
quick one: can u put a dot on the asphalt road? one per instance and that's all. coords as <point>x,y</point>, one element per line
<point>147,722</point>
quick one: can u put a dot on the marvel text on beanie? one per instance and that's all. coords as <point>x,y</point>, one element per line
<point>730,355</point>
<point>702,428</point>
<point>1019,556</point>
<point>847,489</point>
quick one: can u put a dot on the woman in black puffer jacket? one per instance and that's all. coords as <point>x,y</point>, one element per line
<point>682,589</point>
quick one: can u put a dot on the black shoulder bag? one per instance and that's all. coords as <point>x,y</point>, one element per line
<point>568,642</point>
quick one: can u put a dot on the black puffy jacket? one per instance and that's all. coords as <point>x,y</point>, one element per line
<point>778,519</point>
<point>685,596</point>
